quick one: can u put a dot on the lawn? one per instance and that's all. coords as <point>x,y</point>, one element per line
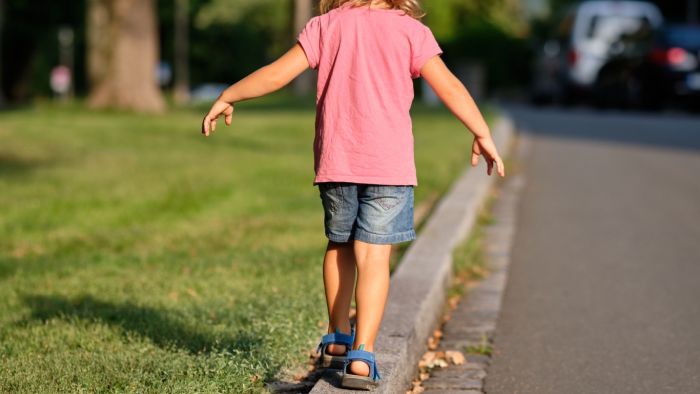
<point>138,256</point>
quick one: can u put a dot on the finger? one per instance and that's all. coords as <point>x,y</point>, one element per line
<point>501,167</point>
<point>213,125</point>
<point>475,154</point>
<point>489,169</point>
<point>475,159</point>
<point>228,115</point>
<point>205,126</point>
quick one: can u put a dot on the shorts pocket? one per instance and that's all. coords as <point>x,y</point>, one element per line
<point>388,197</point>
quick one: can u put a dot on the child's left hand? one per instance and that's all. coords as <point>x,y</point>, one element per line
<point>219,108</point>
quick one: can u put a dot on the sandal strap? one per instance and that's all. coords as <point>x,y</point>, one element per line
<point>337,338</point>
<point>367,358</point>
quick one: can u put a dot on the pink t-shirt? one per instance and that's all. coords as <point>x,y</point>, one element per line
<point>366,60</point>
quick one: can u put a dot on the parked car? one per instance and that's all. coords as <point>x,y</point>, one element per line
<point>672,68</point>
<point>590,35</point>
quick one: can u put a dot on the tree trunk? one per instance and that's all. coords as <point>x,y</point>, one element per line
<point>303,10</point>
<point>123,55</point>
<point>182,69</point>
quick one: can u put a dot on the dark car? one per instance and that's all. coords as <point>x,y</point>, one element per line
<point>594,40</point>
<point>672,70</point>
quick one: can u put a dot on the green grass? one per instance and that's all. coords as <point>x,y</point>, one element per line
<point>484,347</point>
<point>468,258</point>
<point>138,256</point>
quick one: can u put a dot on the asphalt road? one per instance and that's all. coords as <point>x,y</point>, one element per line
<point>604,287</point>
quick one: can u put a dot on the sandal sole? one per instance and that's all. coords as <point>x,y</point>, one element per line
<point>333,362</point>
<point>358,382</point>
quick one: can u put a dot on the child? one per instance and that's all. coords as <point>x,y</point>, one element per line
<point>366,52</point>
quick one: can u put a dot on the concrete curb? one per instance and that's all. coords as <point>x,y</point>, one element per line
<point>473,322</point>
<point>420,283</point>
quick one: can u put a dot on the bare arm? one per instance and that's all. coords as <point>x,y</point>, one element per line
<point>263,81</point>
<point>268,79</point>
<point>456,97</point>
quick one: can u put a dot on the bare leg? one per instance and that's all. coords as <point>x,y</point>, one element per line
<point>370,296</point>
<point>339,280</point>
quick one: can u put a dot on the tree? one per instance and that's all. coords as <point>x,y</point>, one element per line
<point>123,54</point>
<point>182,69</point>
<point>303,10</point>
<point>272,18</point>
<point>447,17</point>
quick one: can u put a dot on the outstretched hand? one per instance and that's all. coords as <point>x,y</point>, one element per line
<point>219,108</point>
<point>485,146</point>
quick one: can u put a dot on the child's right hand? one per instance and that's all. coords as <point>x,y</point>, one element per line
<point>485,146</point>
<point>219,108</point>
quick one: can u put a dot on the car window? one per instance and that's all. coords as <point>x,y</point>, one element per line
<point>611,28</point>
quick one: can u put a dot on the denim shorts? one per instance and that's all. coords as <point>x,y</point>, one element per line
<point>377,214</point>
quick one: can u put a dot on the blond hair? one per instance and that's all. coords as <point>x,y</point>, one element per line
<point>411,7</point>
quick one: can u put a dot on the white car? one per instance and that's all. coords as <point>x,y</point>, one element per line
<point>585,39</point>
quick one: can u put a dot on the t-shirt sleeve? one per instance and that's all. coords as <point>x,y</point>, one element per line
<point>310,41</point>
<point>423,47</point>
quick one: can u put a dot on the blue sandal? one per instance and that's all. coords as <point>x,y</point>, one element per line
<point>360,382</point>
<point>336,338</point>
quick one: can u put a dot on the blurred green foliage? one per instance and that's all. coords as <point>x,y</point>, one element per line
<point>447,18</point>
<point>492,33</point>
<point>231,38</point>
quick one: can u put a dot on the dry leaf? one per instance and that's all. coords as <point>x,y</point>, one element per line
<point>417,390</point>
<point>432,360</point>
<point>441,363</point>
<point>427,358</point>
<point>432,343</point>
<point>455,357</point>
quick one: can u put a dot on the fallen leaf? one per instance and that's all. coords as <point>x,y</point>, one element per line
<point>432,343</point>
<point>455,357</point>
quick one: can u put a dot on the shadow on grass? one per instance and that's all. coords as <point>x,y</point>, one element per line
<point>6,270</point>
<point>146,322</point>
<point>11,165</point>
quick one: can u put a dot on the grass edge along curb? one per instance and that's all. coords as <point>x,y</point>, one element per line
<point>420,284</point>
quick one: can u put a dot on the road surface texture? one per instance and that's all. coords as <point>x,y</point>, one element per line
<point>603,293</point>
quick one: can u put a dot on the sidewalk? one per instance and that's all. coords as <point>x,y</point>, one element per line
<point>465,345</point>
